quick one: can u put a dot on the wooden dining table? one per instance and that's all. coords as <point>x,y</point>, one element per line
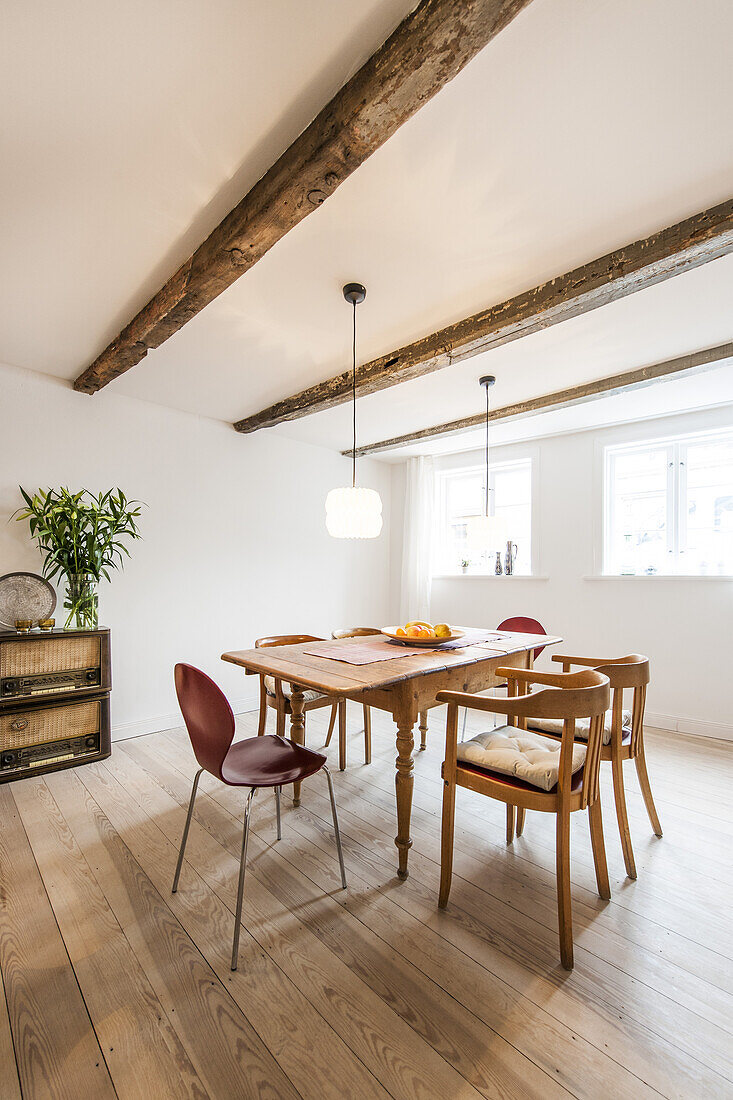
<point>405,686</point>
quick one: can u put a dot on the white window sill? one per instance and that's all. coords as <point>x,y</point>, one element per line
<point>488,576</point>
<point>659,577</point>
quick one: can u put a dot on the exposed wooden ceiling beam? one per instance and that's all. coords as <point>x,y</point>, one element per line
<point>563,399</point>
<point>697,240</point>
<point>426,51</point>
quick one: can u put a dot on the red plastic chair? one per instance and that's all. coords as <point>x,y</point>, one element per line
<point>522,624</point>
<point>266,761</point>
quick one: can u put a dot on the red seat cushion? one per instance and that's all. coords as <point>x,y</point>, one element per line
<point>519,784</point>
<point>269,761</point>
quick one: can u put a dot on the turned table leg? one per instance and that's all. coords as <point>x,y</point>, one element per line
<point>403,786</point>
<point>297,728</point>
<point>423,730</point>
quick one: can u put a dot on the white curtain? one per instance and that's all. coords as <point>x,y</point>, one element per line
<point>417,542</point>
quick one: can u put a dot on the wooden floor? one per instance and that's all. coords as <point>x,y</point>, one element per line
<point>115,987</point>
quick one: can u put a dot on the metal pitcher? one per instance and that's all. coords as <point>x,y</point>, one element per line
<point>510,557</point>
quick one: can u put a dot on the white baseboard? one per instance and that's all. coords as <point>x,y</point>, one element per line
<point>689,725</point>
<point>163,722</point>
<point>671,722</point>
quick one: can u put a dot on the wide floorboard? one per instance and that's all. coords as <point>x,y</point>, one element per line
<point>112,986</point>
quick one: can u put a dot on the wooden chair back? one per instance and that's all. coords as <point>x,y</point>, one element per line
<point>523,624</point>
<point>207,714</point>
<point>568,696</point>
<point>624,673</point>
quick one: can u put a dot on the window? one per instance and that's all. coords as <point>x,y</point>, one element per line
<point>669,507</point>
<point>461,495</point>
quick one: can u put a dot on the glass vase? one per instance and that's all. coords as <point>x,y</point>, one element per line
<point>82,602</point>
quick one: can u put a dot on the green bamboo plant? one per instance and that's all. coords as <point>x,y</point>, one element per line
<point>83,537</point>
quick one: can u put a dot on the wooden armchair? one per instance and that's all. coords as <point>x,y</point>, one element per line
<point>276,693</point>
<point>623,734</point>
<point>520,768</point>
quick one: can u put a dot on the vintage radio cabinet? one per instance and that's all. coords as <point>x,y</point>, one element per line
<point>54,700</point>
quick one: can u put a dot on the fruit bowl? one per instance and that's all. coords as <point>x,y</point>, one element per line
<point>429,643</point>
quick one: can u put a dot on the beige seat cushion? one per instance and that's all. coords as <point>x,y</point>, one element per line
<point>309,696</point>
<point>520,754</point>
<point>582,725</point>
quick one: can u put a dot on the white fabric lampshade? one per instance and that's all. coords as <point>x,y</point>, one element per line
<point>486,533</point>
<point>353,513</point>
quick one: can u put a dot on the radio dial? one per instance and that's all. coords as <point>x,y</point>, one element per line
<point>91,742</point>
<point>7,759</point>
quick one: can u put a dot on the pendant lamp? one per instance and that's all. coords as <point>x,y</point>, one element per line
<point>486,532</point>
<point>353,512</point>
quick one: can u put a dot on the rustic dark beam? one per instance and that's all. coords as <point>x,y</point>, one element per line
<point>563,399</point>
<point>695,241</point>
<point>424,53</point>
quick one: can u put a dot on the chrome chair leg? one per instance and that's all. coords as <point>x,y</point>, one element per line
<point>278,791</point>
<point>240,887</point>
<point>186,827</point>
<point>463,728</point>
<point>336,826</point>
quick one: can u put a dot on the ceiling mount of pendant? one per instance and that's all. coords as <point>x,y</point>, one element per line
<point>354,293</point>
<point>487,380</point>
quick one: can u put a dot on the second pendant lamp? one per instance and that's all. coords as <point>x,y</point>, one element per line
<point>353,512</point>
<point>485,532</point>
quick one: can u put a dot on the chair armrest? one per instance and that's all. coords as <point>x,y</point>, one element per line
<point>586,662</point>
<point>279,693</point>
<point>528,676</point>
<point>492,705</point>
<point>596,662</point>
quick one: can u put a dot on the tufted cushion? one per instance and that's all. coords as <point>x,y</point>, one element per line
<point>519,753</point>
<point>309,696</point>
<point>582,725</point>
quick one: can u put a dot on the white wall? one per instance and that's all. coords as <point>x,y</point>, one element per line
<point>234,540</point>
<point>684,625</point>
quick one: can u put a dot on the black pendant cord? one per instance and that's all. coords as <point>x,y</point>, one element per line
<point>353,390</point>
<point>487,451</point>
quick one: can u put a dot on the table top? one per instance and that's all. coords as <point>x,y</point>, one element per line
<point>292,663</point>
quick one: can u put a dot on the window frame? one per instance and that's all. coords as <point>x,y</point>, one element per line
<point>477,467</point>
<point>677,448</point>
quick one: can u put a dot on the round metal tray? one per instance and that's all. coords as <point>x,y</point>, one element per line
<point>25,596</point>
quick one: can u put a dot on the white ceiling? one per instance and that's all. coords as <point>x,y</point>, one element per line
<point>131,129</point>
<point>128,130</point>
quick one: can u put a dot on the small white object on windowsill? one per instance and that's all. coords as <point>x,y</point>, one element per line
<point>658,577</point>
